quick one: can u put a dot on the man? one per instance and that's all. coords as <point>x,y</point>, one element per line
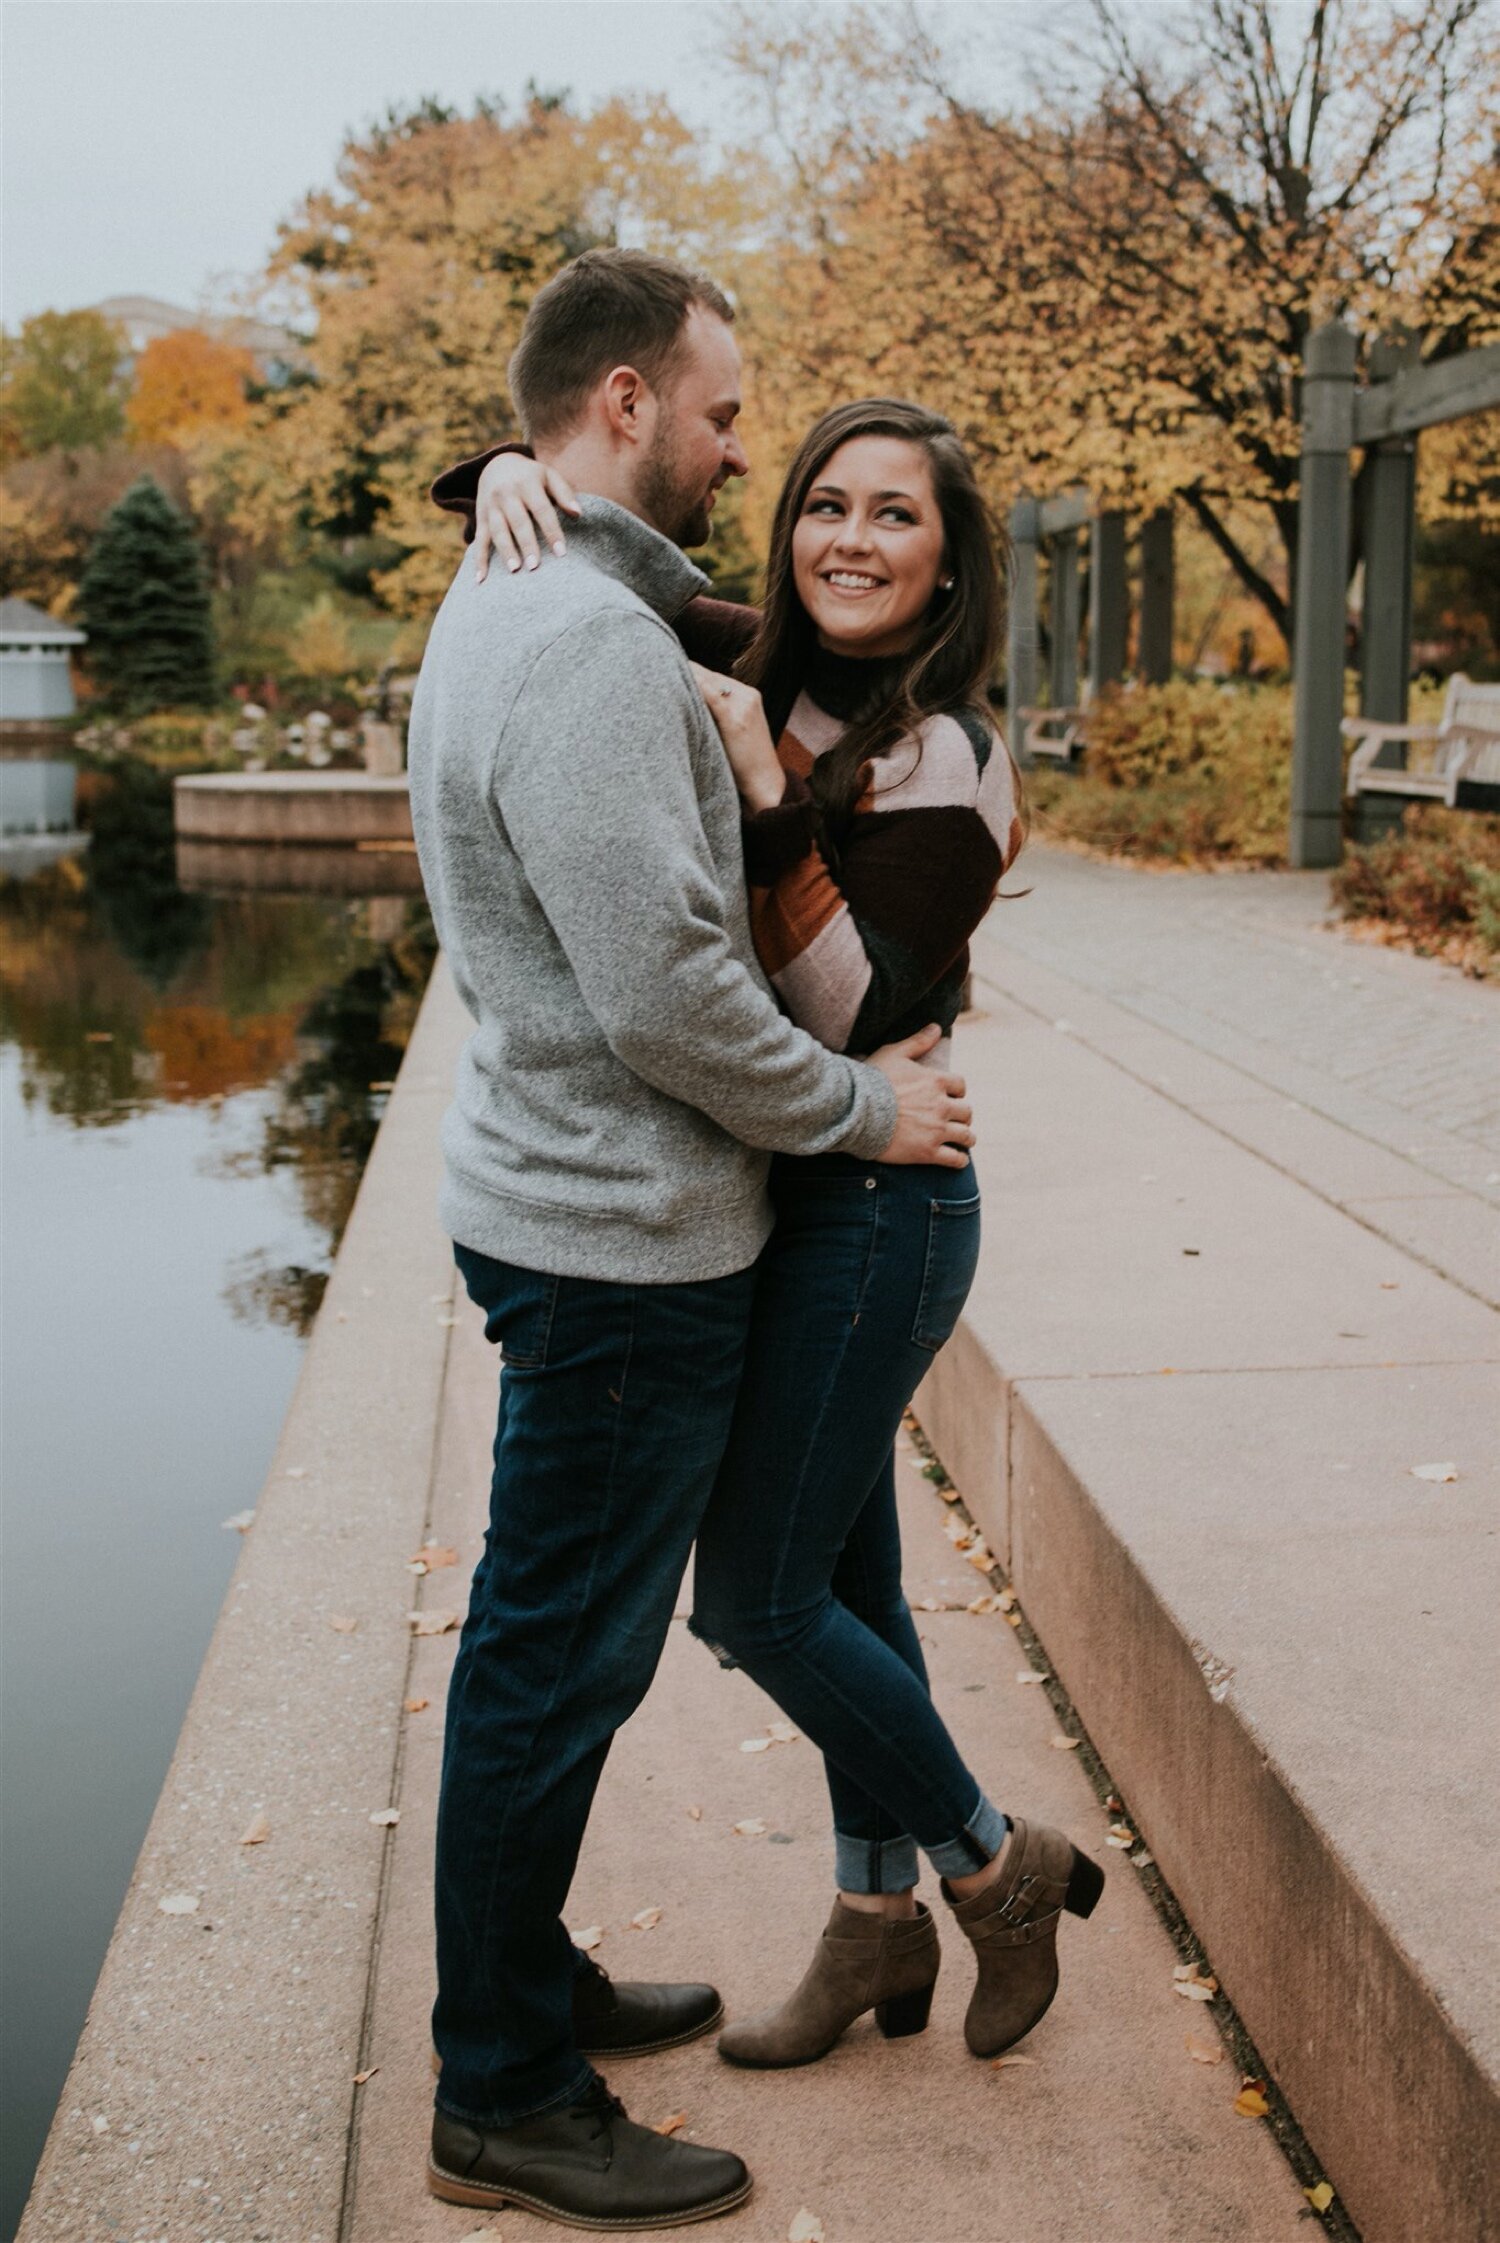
<point>606,1158</point>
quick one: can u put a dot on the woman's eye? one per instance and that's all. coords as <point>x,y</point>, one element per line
<point>822,506</point>
<point>898,514</point>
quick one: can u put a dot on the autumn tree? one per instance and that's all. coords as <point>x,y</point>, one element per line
<point>188,385</point>
<point>62,384</point>
<point>144,604</point>
<point>1116,287</point>
<point>416,270</point>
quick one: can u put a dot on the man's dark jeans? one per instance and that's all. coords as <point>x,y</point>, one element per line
<point>615,1406</point>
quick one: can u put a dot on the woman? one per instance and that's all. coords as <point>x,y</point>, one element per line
<point>881,811</point>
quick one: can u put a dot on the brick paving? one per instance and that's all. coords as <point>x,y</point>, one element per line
<point>1249,967</point>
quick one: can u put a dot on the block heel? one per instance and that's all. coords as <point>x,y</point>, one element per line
<point>1085,1884</point>
<point>904,2014</point>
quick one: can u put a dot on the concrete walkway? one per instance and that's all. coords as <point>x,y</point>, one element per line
<point>1112,2129</point>
<point>1271,1630</point>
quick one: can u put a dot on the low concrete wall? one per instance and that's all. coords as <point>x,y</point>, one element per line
<point>212,2093</point>
<point>1184,1404</point>
<point>319,807</point>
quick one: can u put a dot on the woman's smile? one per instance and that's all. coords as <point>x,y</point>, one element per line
<point>868,547</point>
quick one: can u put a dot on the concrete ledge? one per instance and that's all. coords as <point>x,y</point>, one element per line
<point>319,807</point>
<point>1185,1403</point>
<point>212,2092</point>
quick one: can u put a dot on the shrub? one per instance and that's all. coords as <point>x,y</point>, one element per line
<point>1189,771</point>
<point>1436,878</point>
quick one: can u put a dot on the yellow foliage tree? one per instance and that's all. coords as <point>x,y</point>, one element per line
<point>417,270</point>
<point>321,645</point>
<point>188,385</point>
<point>1116,290</point>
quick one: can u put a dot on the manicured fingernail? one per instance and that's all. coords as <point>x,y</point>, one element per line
<point>513,566</point>
<point>533,561</point>
<point>559,546</point>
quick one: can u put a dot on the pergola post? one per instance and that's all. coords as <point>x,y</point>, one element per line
<point>1157,596</point>
<point>1021,629</point>
<point>1323,521</point>
<point>1066,619</point>
<point>1109,602</point>
<point>1388,490</point>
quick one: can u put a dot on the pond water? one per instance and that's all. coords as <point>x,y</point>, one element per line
<point>189,1085</point>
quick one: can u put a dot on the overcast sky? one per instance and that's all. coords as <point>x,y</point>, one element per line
<point>150,146</point>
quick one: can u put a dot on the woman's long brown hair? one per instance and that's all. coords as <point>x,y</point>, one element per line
<point>952,659</point>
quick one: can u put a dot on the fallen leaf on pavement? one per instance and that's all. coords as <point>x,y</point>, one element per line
<point>241,1523</point>
<point>415,1705</point>
<point>1320,2197</point>
<point>432,1623</point>
<point>1203,2051</point>
<point>1007,1600</point>
<point>342,1624</point>
<point>178,1904</point>
<point>1120,1834</point>
<point>695,1814</point>
<point>949,1494</point>
<point>987,1604</point>
<point>1029,1674</point>
<point>1434,1471</point>
<point>1250,2102</point>
<point>588,1940</point>
<point>361,2077</point>
<point>1014,1618</point>
<point>782,1733</point>
<point>1000,2063</point>
<point>959,1533</point>
<point>806,2227</point>
<point>981,1557</point>
<point>257,1832</point>
<point>670,2125</point>
<point>1142,1860</point>
<point>645,1919</point>
<point>1194,1983</point>
<point>387,1818</point>
<point>433,1555</point>
<point>1066,1744</point>
<point>756,1744</point>
<point>753,1827</point>
<point>928,1604</point>
<point>296,1472</point>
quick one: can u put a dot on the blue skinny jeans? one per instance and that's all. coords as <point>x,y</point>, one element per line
<point>798,1572</point>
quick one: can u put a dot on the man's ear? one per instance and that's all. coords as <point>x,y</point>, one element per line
<point>627,398</point>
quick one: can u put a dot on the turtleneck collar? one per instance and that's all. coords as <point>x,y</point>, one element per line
<point>627,548</point>
<point>847,686</point>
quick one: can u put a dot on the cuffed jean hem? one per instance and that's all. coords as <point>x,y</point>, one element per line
<point>982,1837</point>
<point>874,1865</point>
<point>577,2087</point>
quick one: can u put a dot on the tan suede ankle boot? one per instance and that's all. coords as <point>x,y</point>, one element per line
<point>885,1963</point>
<point>1013,1927</point>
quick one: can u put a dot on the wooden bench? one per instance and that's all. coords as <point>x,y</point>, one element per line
<point>1456,761</point>
<point>1064,745</point>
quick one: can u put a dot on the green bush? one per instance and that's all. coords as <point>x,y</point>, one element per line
<point>1190,771</point>
<point>1437,877</point>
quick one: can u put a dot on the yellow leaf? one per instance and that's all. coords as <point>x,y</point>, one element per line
<point>342,1624</point>
<point>645,1919</point>
<point>1203,2051</point>
<point>1320,2197</point>
<point>589,1939</point>
<point>433,1555</point>
<point>806,2227</point>
<point>432,1623</point>
<point>387,1818</point>
<point>670,2125</point>
<point>415,1705</point>
<point>695,1814</point>
<point>361,2077</point>
<point>752,1827</point>
<point>1066,1744</point>
<point>1250,2103</point>
<point>257,1832</point>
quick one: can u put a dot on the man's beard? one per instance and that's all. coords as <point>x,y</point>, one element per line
<point>679,512</point>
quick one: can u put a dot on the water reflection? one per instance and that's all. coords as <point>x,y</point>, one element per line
<point>122,991</point>
<point>189,1085</point>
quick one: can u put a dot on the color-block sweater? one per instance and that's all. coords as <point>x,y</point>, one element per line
<point>869,952</point>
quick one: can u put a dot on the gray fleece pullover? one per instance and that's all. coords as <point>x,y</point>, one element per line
<point>579,834</point>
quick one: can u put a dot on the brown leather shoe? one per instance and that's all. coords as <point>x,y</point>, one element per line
<point>885,1963</point>
<point>1013,1927</point>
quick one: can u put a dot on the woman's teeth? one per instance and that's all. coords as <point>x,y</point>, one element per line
<point>847,582</point>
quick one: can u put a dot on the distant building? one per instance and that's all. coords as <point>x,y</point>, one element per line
<point>276,350</point>
<point>36,684</point>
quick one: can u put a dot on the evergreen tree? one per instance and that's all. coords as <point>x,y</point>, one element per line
<point>144,603</point>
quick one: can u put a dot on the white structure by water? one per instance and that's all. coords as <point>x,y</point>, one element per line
<point>36,684</point>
